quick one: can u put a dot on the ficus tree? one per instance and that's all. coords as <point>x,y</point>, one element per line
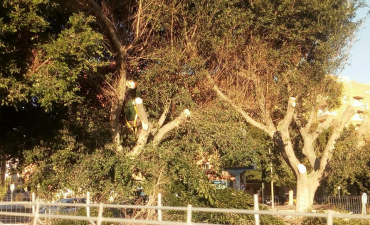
<point>127,28</point>
<point>23,26</point>
<point>83,68</point>
<point>268,60</point>
<point>271,62</point>
<point>77,76</point>
<point>273,67</point>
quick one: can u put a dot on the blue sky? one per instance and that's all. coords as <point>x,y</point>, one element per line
<point>359,68</point>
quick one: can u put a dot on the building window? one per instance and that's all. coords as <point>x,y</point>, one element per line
<point>358,102</point>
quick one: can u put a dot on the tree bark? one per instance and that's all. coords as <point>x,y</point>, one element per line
<point>120,84</point>
<point>140,143</point>
<point>306,189</point>
<point>144,134</point>
<point>170,126</point>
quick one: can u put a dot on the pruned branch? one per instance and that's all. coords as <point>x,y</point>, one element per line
<point>307,127</point>
<point>140,143</point>
<point>283,131</point>
<point>322,127</point>
<point>164,115</point>
<point>161,120</point>
<point>309,138</point>
<point>144,134</point>
<point>170,126</point>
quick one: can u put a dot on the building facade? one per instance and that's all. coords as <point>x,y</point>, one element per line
<point>355,94</point>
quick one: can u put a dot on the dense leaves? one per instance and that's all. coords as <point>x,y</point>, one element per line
<point>62,61</point>
<point>349,166</point>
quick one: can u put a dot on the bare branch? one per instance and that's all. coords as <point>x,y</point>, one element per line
<point>269,130</point>
<point>284,124</point>
<point>164,115</point>
<point>138,17</point>
<point>170,126</point>
<point>261,99</point>
<point>140,143</point>
<point>110,28</point>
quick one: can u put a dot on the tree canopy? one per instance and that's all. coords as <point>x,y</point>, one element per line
<point>64,67</point>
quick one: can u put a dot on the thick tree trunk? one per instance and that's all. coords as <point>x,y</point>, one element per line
<point>116,108</point>
<point>119,86</point>
<point>306,189</point>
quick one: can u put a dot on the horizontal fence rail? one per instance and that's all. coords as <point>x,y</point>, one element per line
<point>31,213</point>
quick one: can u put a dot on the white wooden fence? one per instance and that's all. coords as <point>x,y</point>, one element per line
<point>36,218</point>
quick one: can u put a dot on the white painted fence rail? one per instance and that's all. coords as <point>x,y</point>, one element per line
<point>99,219</point>
<point>36,218</point>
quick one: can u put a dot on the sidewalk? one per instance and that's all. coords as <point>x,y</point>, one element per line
<point>292,207</point>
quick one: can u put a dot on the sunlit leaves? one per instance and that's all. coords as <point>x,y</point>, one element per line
<point>76,53</point>
<point>349,166</point>
<point>20,25</point>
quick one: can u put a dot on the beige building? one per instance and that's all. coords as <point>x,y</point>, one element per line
<point>356,94</point>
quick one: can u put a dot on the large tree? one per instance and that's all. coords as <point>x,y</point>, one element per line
<point>79,74</point>
<point>273,67</point>
<point>268,60</point>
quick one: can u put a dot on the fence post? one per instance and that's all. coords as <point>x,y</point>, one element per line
<point>189,215</point>
<point>100,215</point>
<point>256,216</point>
<point>36,214</point>
<point>33,201</point>
<point>160,205</point>
<point>364,202</point>
<point>329,221</point>
<point>88,207</point>
<point>88,202</point>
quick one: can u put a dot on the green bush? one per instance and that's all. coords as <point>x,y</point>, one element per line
<point>226,199</point>
<point>82,212</point>
<point>322,221</point>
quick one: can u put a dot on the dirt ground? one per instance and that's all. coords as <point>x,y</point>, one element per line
<point>294,220</point>
<point>292,207</point>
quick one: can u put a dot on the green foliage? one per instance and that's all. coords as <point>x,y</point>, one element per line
<point>322,221</point>
<point>58,64</point>
<point>21,22</point>
<point>107,213</point>
<point>4,188</point>
<point>354,159</point>
<point>225,199</point>
<point>76,54</point>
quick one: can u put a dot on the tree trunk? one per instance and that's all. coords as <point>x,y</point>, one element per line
<point>2,169</point>
<point>306,188</point>
<point>120,84</point>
